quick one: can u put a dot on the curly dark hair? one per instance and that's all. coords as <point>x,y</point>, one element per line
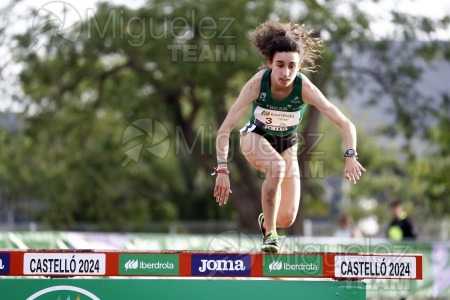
<point>274,36</point>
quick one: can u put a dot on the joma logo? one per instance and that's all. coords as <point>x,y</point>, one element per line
<point>221,265</point>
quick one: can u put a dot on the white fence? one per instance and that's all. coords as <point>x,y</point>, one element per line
<point>437,230</point>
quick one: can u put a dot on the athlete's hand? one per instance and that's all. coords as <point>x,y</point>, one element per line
<point>222,189</point>
<point>353,169</point>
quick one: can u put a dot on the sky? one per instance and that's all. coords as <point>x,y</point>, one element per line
<point>80,10</point>
<point>438,9</point>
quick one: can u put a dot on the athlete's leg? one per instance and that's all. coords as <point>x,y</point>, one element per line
<point>263,157</point>
<point>290,189</point>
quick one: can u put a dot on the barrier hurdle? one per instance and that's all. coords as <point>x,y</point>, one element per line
<point>92,274</point>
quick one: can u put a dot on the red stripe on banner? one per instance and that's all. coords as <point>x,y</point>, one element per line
<point>257,263</point>
<point>328,265</point>
<point>419,270</point>
<point>112,264</point>
<point>185,264</point>
<point>16,263</point>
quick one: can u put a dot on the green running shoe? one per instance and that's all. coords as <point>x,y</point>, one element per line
<point>270,243</point>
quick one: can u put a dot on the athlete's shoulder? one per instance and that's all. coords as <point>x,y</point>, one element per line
<point>307,85</point>
<point>258,76</point>
<point>305,79</point>
<point>253,86</point>
<point>311,94</point>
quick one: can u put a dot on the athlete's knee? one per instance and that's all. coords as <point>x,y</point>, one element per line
<point>276,169</point>
<point>286,219</point>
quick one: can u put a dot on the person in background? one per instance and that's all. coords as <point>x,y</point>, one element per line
<point>401,227</point>
<point>347,229</point>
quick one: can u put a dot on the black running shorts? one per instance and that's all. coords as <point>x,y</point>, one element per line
<point>279,143</point>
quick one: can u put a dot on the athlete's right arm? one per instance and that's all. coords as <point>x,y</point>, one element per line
<point>248,94</point>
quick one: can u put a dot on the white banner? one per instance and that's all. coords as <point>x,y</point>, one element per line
<point>374,266</point>
<point>63,264</point>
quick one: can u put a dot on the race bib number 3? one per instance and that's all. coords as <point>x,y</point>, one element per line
<point>274,119</point>
<point>399,267</point>
<point>64,264</point>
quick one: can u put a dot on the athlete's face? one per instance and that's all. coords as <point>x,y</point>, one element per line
<point>285,66</point>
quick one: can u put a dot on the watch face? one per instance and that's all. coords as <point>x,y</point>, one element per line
<point>350,153</point>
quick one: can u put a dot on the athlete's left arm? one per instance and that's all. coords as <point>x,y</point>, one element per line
<point>313,96</point>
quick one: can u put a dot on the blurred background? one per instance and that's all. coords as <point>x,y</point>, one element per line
<point>109,112</point>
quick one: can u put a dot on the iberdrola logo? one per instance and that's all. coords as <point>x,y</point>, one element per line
<point>265,113</point>
<point>63,292</point>
<point>132,264</point>
<point>275,266</point>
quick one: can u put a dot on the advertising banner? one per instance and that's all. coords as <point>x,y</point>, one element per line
<point>65,263</point>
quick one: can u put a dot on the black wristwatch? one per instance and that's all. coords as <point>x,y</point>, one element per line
<point>351,153</point>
